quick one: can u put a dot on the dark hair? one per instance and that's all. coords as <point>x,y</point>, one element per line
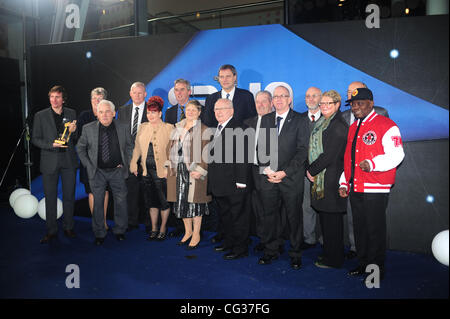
<point>228,67</point>
<point>59,89</point>
<point>155,103</point>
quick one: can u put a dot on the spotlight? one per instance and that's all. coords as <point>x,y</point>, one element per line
<point>394,53</point>
<point>430,199</point>
<point>88,55</point>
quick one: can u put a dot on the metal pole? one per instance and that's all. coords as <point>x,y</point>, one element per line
<point>286,12</point>
<point>25,106</point>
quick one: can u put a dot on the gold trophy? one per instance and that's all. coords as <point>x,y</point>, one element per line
<point>63,140</point>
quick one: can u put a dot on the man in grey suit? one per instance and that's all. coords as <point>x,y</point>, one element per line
<point>56,160</point>
<point>312,99</point>
<point>350,118</point>
<point>105,148</point>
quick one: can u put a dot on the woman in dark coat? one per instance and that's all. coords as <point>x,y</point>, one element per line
<point>326,163</point>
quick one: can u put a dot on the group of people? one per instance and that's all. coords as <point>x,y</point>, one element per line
<point>235,157</point>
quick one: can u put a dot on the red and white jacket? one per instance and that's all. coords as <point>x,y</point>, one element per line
<point>379,142</point>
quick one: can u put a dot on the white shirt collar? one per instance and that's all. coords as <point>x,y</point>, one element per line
<point>224,94</point>
<point>282,115</point>
<point>316,115</point>
<point>224,124</point>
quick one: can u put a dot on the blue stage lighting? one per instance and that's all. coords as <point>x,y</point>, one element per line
<point>394,53</point>
<point>430,199</point>
<point>88,54</point>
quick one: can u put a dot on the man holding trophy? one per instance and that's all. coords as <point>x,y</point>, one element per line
<point>52,129</point>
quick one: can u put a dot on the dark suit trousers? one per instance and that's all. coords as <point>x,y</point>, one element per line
<point>257,207</point>
<point>50,183</point>
<point>113,178</point>
<point>369,221</point>
<point>134,199</point>
<point>332,225</point>
<point>272,199</point>
<point>235,216</point>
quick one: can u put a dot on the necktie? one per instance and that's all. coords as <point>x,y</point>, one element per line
<point>228,96</point>
<point>355,138</point>
<point>135,122</point>
<point>313,118</point>
<point>219,129</point>
<point>182,115</point>
<point>279,118</point>
<point>105,147</point>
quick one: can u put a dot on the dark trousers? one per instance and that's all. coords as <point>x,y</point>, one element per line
<point>235,216</point>
<point>257,207</point>
<point>272,200</point>
<point>50,183</point>
<point>134,188</point>
<point>369,222</point>
<point>116,182</point>
<point>332,225</point>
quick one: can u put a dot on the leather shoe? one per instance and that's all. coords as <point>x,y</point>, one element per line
<point>153,235</point>
<point>47,238</point>
<point>296,263</point>
<point>320,264</point>
<point>189,247</point>
<point>358,271</point>
<point>120,237</point>
<point>267,259</point>
<point>182,243</point>
<point>232,255</point>
<point>220,248</point>
<point>161,236</point>
<point>350,255</point>
<point>99,240</point>
<point>69,233</point>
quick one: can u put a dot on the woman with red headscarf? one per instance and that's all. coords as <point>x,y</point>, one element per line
<point>151,142</point>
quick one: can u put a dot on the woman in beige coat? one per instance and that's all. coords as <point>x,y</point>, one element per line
<point>151,144</point>
<point>186,180</point>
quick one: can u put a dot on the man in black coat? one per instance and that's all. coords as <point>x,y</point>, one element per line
<point>228,180</point>
<point>56,160</point>
<point>243,100</point>
<point>284,137</point>
<point>133,115</point>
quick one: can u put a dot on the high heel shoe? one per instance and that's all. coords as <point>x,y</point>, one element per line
<point>153,235</point>
<point>189,247</point>
<point>182,243</point>
<point>161,236</point>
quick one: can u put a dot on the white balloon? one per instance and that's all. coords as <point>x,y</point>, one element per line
<point>25,206</point>
<point>439,246</point>
<point>41,208</point>
<point>16,193</point>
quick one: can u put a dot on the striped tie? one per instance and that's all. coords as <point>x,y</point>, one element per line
<point>105,147</point>
<point>182,115</point>
<point>135,122</point>
<point>228,96</point>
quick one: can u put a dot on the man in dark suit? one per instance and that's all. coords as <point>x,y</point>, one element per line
<point>228,180</point>
<point>132,115</point>
<point>263,102</point>
<point>284,137</point>
<point>350,118</point>
<point>105,149</point>
<point>312,99</point>
<point>173,115</point>
<point>56,160</point>
<point>243,100</point>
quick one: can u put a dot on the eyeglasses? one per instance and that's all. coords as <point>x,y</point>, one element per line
<point>312,96</point>
<point>326,103</point>
<point>221,109</point>
<point>282,96</point>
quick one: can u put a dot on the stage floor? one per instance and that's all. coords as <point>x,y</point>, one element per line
<point>136,268</point>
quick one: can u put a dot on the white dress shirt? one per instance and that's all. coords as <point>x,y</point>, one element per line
<point>133,111</point>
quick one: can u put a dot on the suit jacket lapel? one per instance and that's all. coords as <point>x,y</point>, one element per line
<point>51,123</point>
<point>287,122</point>
<point>95,143</point>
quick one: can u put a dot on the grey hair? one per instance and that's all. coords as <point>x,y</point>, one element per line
<point>269,95</point>
<point>99,91</point>
<point>196,104</point>
<point>226,101</point>
<point>135,84</point>
<point>111,105</point>
<point>185,82</point>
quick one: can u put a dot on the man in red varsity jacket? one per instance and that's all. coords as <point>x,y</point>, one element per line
<point>374,150</point>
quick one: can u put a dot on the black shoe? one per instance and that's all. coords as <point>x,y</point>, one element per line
<point>267,259</point>
<point>259,247</point>
<point>131,227</point>
<point>153,235</point>
<point>358,271</point>
<point>176,233</point>
<point>99,240</point>
<point>120,237</point>
<point>69,233</point>
<point>189,247</point>
<point>296,263</point>
<point>47,238</point>
<point>182,243</point>
<point>217,239</point>
<point>320,264</point>
<point>232,255</point>
<point>305,246</point>
<point>221,248</point>
<point>350,255</point>
<point>161,236</point>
